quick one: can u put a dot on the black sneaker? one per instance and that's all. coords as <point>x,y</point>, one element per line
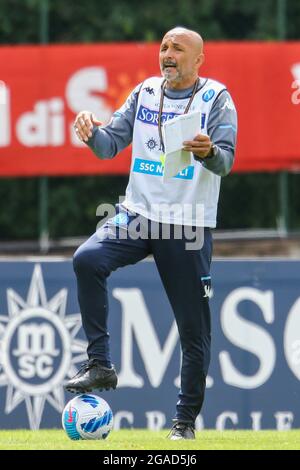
<point>92,375</point>
<point>182,430</point>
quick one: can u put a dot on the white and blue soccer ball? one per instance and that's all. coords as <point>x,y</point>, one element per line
<point>87,416</point>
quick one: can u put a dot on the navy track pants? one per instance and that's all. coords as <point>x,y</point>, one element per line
<point>185,276</point>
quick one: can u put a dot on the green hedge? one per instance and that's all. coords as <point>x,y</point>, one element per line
<point>246,201</point>
<point>144,20</point>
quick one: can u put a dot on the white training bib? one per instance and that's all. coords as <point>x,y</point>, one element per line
<point>190,197</point>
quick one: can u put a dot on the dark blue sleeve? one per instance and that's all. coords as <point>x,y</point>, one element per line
<point>222,130</point>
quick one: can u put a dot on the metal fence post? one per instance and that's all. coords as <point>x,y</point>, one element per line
<point>283,181</point>
<point>43,180</point>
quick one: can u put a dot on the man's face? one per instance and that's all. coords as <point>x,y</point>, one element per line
<point>178,58</point>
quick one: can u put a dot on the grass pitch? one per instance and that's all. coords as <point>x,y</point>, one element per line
<point>143,439</point>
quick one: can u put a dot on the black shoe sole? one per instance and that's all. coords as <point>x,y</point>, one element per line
<point>90,389</point>
<point>87,390</point>
<point>171,438</point>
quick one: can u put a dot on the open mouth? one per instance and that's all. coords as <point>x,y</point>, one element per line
<point>167,66</point>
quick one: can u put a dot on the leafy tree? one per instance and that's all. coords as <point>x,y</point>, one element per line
<point>71,207</point>
<point>146,20</point>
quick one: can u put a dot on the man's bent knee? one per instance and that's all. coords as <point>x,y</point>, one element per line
<point>86,260</point>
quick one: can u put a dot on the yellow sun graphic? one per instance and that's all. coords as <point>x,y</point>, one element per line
<point>124,86</point>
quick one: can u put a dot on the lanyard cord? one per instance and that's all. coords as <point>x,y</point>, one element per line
<point>161,103</point>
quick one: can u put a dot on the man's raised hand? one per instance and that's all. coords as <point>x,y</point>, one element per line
<point>84,123</point>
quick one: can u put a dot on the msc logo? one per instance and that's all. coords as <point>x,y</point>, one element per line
<point>36,351</point>
<point>37,343</point>
<point>151,144</point>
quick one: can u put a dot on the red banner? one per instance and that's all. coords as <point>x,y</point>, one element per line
<point>42,88</point>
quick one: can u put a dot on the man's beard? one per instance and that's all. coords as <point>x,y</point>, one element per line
<point>170,76</point>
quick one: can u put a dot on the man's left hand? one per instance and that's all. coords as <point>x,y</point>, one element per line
<point>200,146</point>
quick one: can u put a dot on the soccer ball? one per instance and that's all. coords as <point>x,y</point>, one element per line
<point>87,416</point>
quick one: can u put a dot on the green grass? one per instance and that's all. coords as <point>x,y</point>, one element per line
<point>149,440</point>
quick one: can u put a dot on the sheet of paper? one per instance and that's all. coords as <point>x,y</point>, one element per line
<point>175,162</point>
<point>175,131</point>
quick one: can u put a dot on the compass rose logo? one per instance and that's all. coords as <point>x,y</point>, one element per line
<point>38,349</point>
<point>152,144</point>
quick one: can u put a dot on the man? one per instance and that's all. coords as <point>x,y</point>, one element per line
<point>185,273</point>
